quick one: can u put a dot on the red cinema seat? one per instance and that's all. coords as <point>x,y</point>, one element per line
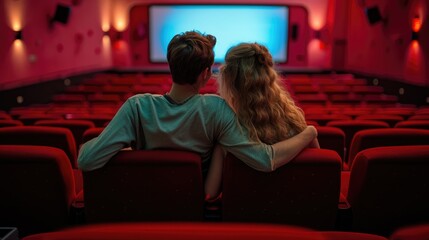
<point>77,127</point>
<point>91,133</point>
<point>331,138</point>
<point>4,115</point>
<point>10,123</point>
<point>145,185</point>
<point>57,137</point>
<point>418,124</point>
<point>37,188</point>
<point>350,127</point>
<point>182,231</point>
<point>197,231</point>
<point>386,137</point>
<point>322,119</point>
<point>417,232</point>
<point>388,188</point>
<point>61,138</point>
<point>419,117</point>
<point>303,192</point>
<point>390,119</point>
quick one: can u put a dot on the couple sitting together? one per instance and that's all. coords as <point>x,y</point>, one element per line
<point>254,118</point>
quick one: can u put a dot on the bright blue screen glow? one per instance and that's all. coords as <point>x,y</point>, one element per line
<point>230,24</point>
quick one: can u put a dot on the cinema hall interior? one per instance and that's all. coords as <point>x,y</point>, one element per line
<point>214,119</point>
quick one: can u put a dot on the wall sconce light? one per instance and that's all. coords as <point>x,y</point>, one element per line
<point>416,24</point>
<point>18,35</point>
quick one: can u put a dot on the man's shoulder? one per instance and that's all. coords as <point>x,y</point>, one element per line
<point>213,98</point>
<point>144,97</point>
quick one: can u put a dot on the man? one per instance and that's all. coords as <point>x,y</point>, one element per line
<point>185,120</point>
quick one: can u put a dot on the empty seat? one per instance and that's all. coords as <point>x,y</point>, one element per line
<point>331,138</point>
<point>37,188</point>
<point>77,127</point>
<point>386,137</point>
<point>4,115</point>
<point>419,124</point>
<point>390,119</point>
<point>303,192</point>
<point>100,120</point>
<point>91,133</point>
<point>417,232</point>
<point>191,231</point>
<point>57,137</point>
<point>30,119</point>
<point>419,117</point>
<point>61,138</point>
<point>69,98</point>
<point>10,123</point>
<point>182,231</point>
<point>322,119</point>
<point>145,185</point>
<point>311,98</point>
<point>388,188</point>
<point>350,127</point>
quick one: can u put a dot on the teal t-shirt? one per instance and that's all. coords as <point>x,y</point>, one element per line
<point>148,121</point>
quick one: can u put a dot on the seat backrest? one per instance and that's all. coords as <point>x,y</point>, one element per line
<point>10,123</point>
<point>419,124</point>
<point>91,133</point>
<point>322,119</point>
<point>417,232</point>
<point>350,127</point>
<point>183,231</point>
<point>303,192</point>
<point>386,137</point>
<point>388,188</point>
<point>145,185</point>
<point>36,186</point>
<point>388,118</point>
<point>331,138</point>
<point>61,138</point>
<point>77,127</point>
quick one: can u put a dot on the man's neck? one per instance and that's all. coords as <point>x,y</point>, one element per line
<point>180,93</point>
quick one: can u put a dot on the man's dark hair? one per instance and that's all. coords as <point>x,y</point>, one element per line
<point>188,54</point>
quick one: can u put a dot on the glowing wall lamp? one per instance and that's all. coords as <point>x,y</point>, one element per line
<point>416,25</point>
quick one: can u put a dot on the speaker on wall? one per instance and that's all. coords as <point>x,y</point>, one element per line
<point>62,13</point>
<point>373,14</point>
<point>294,32</point>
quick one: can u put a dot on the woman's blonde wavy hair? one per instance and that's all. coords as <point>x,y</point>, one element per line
<point>252,87</point>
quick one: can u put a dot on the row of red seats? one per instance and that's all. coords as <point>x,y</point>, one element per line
<point>386,190</point>
<point>374,138</point>
<point>319,115</point>
<point>191,231</point>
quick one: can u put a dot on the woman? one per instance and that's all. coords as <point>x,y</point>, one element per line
<point>252,87</point>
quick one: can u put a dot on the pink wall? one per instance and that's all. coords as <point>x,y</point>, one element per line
<point>80,46</point>
<point>386,49</point>
<point>47,53</point>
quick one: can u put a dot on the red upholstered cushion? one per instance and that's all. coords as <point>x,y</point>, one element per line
<point>351,236</point>
<point>41,136</point>
<point>146,185</point>
<point>386,137</point>
<point>418,232</point>
<point>37,188</point>
<point>388,188</point>
<point>331,138</point>
<point>182,231</point>
<point>303,192</point>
